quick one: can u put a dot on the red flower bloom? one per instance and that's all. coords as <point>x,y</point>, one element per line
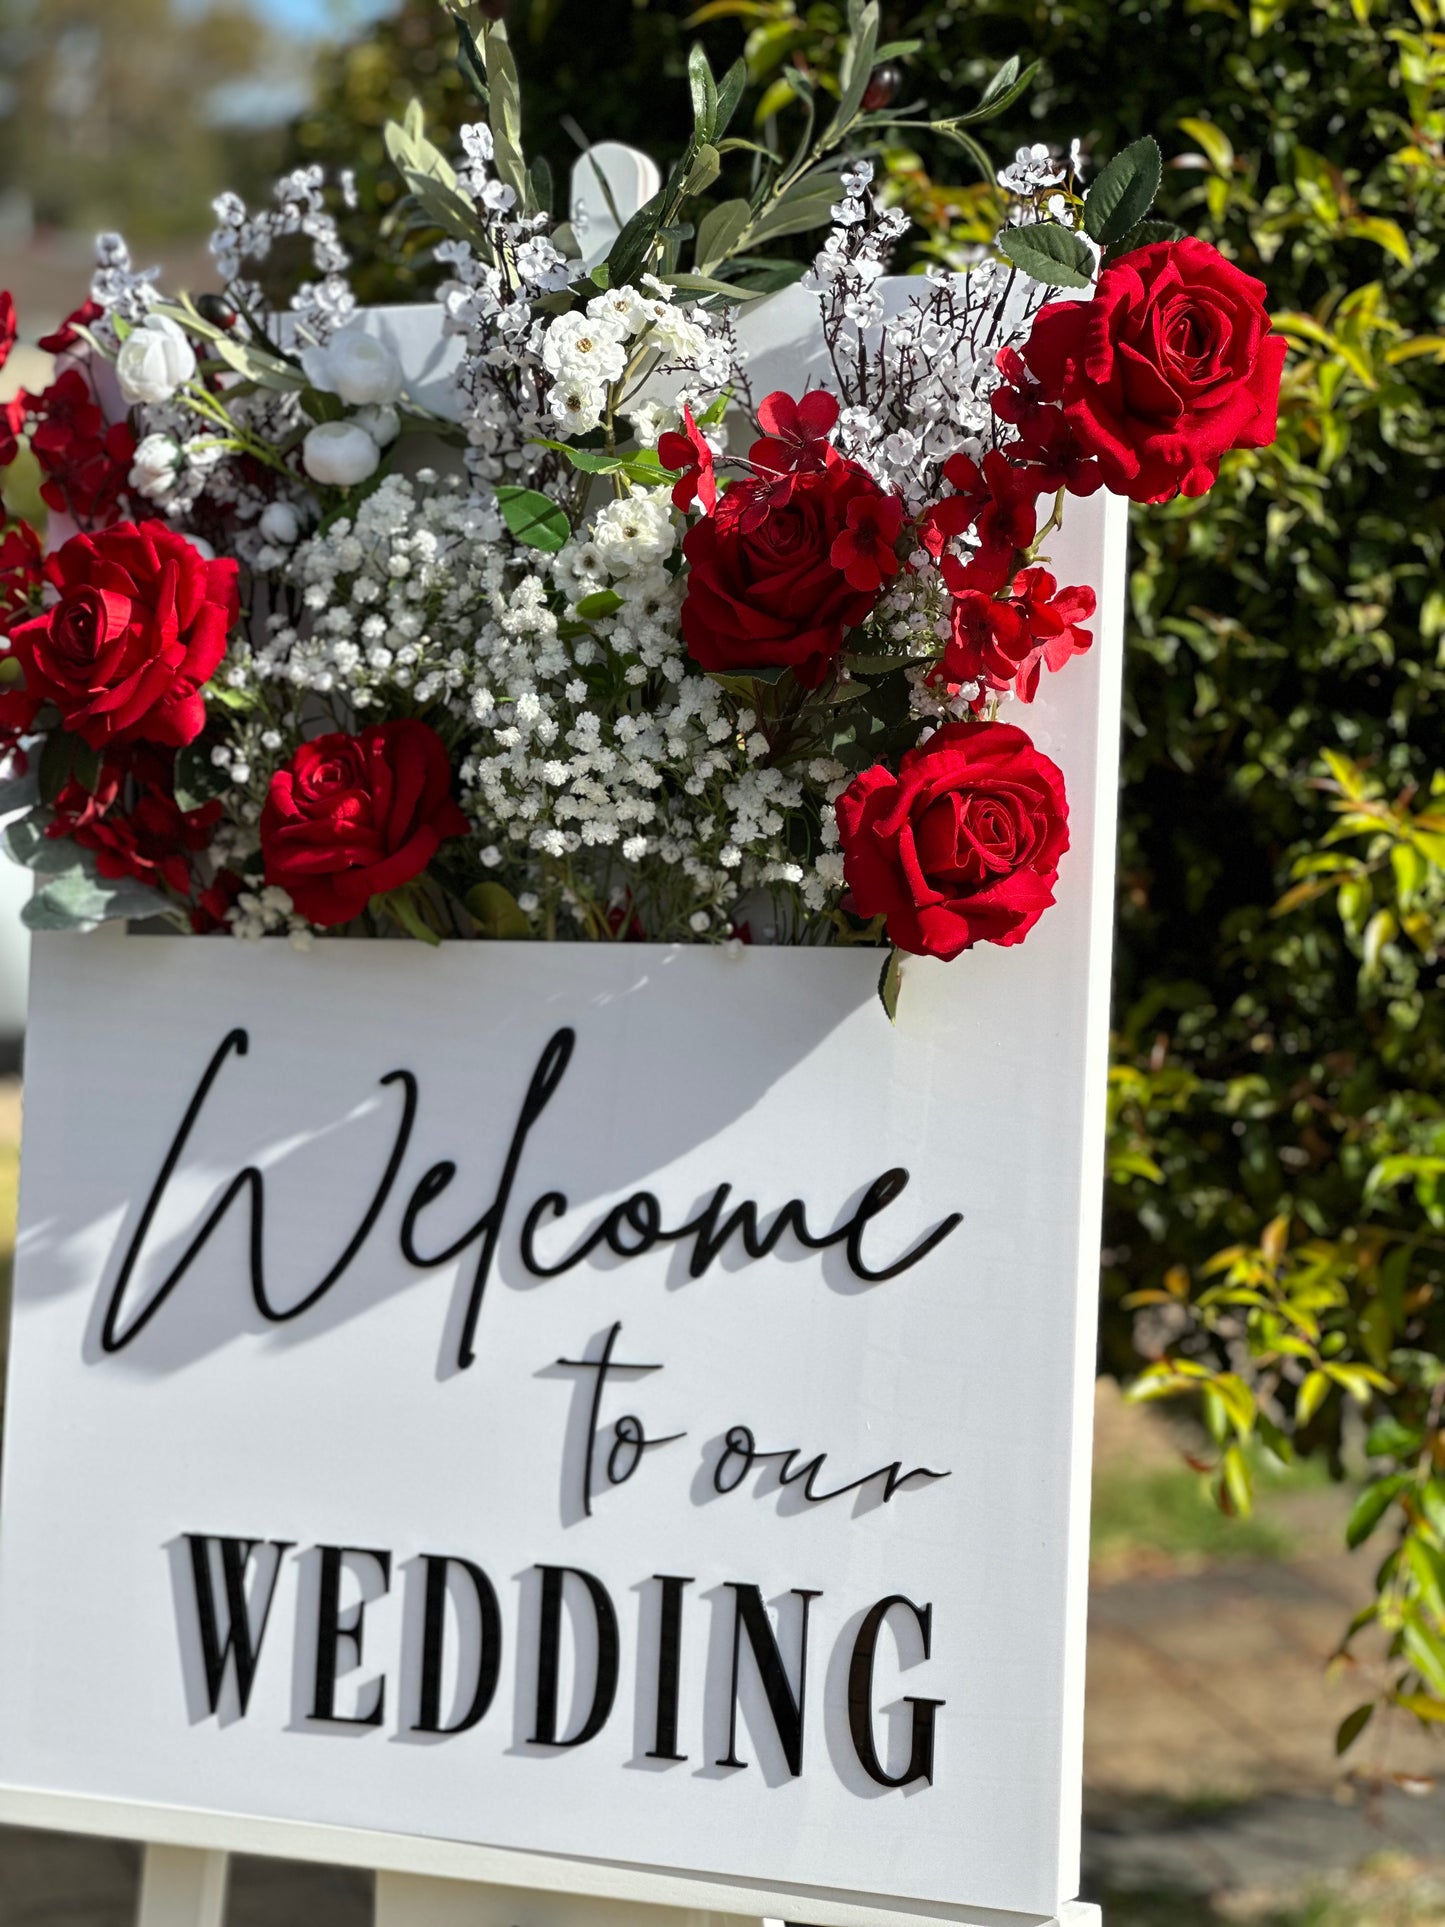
<point>962,846</point>
<point>864,550</point>
<point>351,817</point>
<point>85,463</point>
<point>12,422</point>
<point>997,499</point>
<point>763,590</point>
<point>209,910</point>
<point>65,336</point>
<point>796,433</point>
<point>1003,640</point>
<point>7,326</point>
<point>141,624</point>
<point>1172,363</point>
<point>21,568</point>
<point>133,823</point>
<point>690,453</point>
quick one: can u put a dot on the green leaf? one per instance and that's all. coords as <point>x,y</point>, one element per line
<point>506,114</point>
<point>19,793</point>
<point>635,465</point>
<point>603,602</point>
<point>719,231</point>
<point>855,73</point>
<point>1143,236</point>
<point>1372,1505</point>
<point>704,93</point>
<point>534,519</point>
<point>77,900</point>
<point>1352,1726</point>
<point>27,844</point>
<point>729,94</point>
<point>629,253</point>
<point>796,215</point>
<point>704,284</point>
<point>1046,252</point>
<point>890,982</point>
<point>398,905</point>
<point>66,759</point>
<point>1007,85</point>
<point>1124,192</point>
<point>497,911</point>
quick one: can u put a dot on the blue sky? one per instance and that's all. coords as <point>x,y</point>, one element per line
<point>316,16</point>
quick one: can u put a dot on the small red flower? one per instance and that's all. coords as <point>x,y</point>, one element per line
<point>865,549</point>
<point>1003,640</point>
<point>7,326</point>
<point>208,913</point>
<point>132,822</point>
<point>994,498</point>
<point>690,453</point>
<point>795,433</point>
<point>86,463</point>
<point>21,571</point>
<point>65,336</point>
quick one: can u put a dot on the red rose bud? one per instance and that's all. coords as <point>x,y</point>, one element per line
<point>962,846</point>
<point>351,817</point>
<point>1172,363</point>
<point>140,626</point>
<point>763,588</point>
<point>690,453</point>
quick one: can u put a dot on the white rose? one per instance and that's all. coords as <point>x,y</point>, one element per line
<point>153,471</point>
<point>576,406</point>
<point>634,532</point>
<point>381,422</point>
<point>155,360</point>
<point>280,523</point>
<point>339,453</point>
<point>356,366</point>
<point>579,347</point>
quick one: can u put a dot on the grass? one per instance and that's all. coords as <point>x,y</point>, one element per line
<point>1164,1514</point>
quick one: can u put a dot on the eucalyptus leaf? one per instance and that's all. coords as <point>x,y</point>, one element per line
<point>1124,192</point>
<point>729,94</point>
<point>704,93</point>
<point>535,519</point>
<point>77,900</point>
<point>706,284</point>
<point>856,72</point>
<point>1049,253</point>
<point>798,216</point>
<point>19,792</point>
<point>27,844</point>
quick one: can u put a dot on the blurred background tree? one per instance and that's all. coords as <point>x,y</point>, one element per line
<point>132,115</point>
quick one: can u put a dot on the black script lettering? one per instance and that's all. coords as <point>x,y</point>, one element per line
<point>740,1450</point>
<point>112,1339</point>
<point>860,1698</point>
<point>635,1226</point>
<point>330,1632</point>
<point>629,1440</point>
<point>551,1068</point>
<point>240,1641</point>
<point>750,1615</point>
<point>609,1650</point>
<point>489,1646</point>
<point>669,1666</point>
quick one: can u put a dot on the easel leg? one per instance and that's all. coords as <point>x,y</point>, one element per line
<point>406,1900</point>
<point>182,1887</point>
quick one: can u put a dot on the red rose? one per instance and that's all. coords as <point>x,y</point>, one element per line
<point>1170,364</point>
<point>962,846</point>
<point>771,596</point>
<point>86,463</point>
<point>132,822</point>
<point>351,817</point>
<point>141,624</point>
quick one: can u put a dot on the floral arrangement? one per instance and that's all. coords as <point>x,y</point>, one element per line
<point>610,647</point>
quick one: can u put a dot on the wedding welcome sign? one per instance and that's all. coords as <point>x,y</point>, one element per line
<point>619,1404</point>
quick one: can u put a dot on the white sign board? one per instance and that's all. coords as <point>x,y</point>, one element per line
<point>511,1395</point>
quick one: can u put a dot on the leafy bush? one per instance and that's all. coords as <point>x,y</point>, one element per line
<point>1276,1214</point>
